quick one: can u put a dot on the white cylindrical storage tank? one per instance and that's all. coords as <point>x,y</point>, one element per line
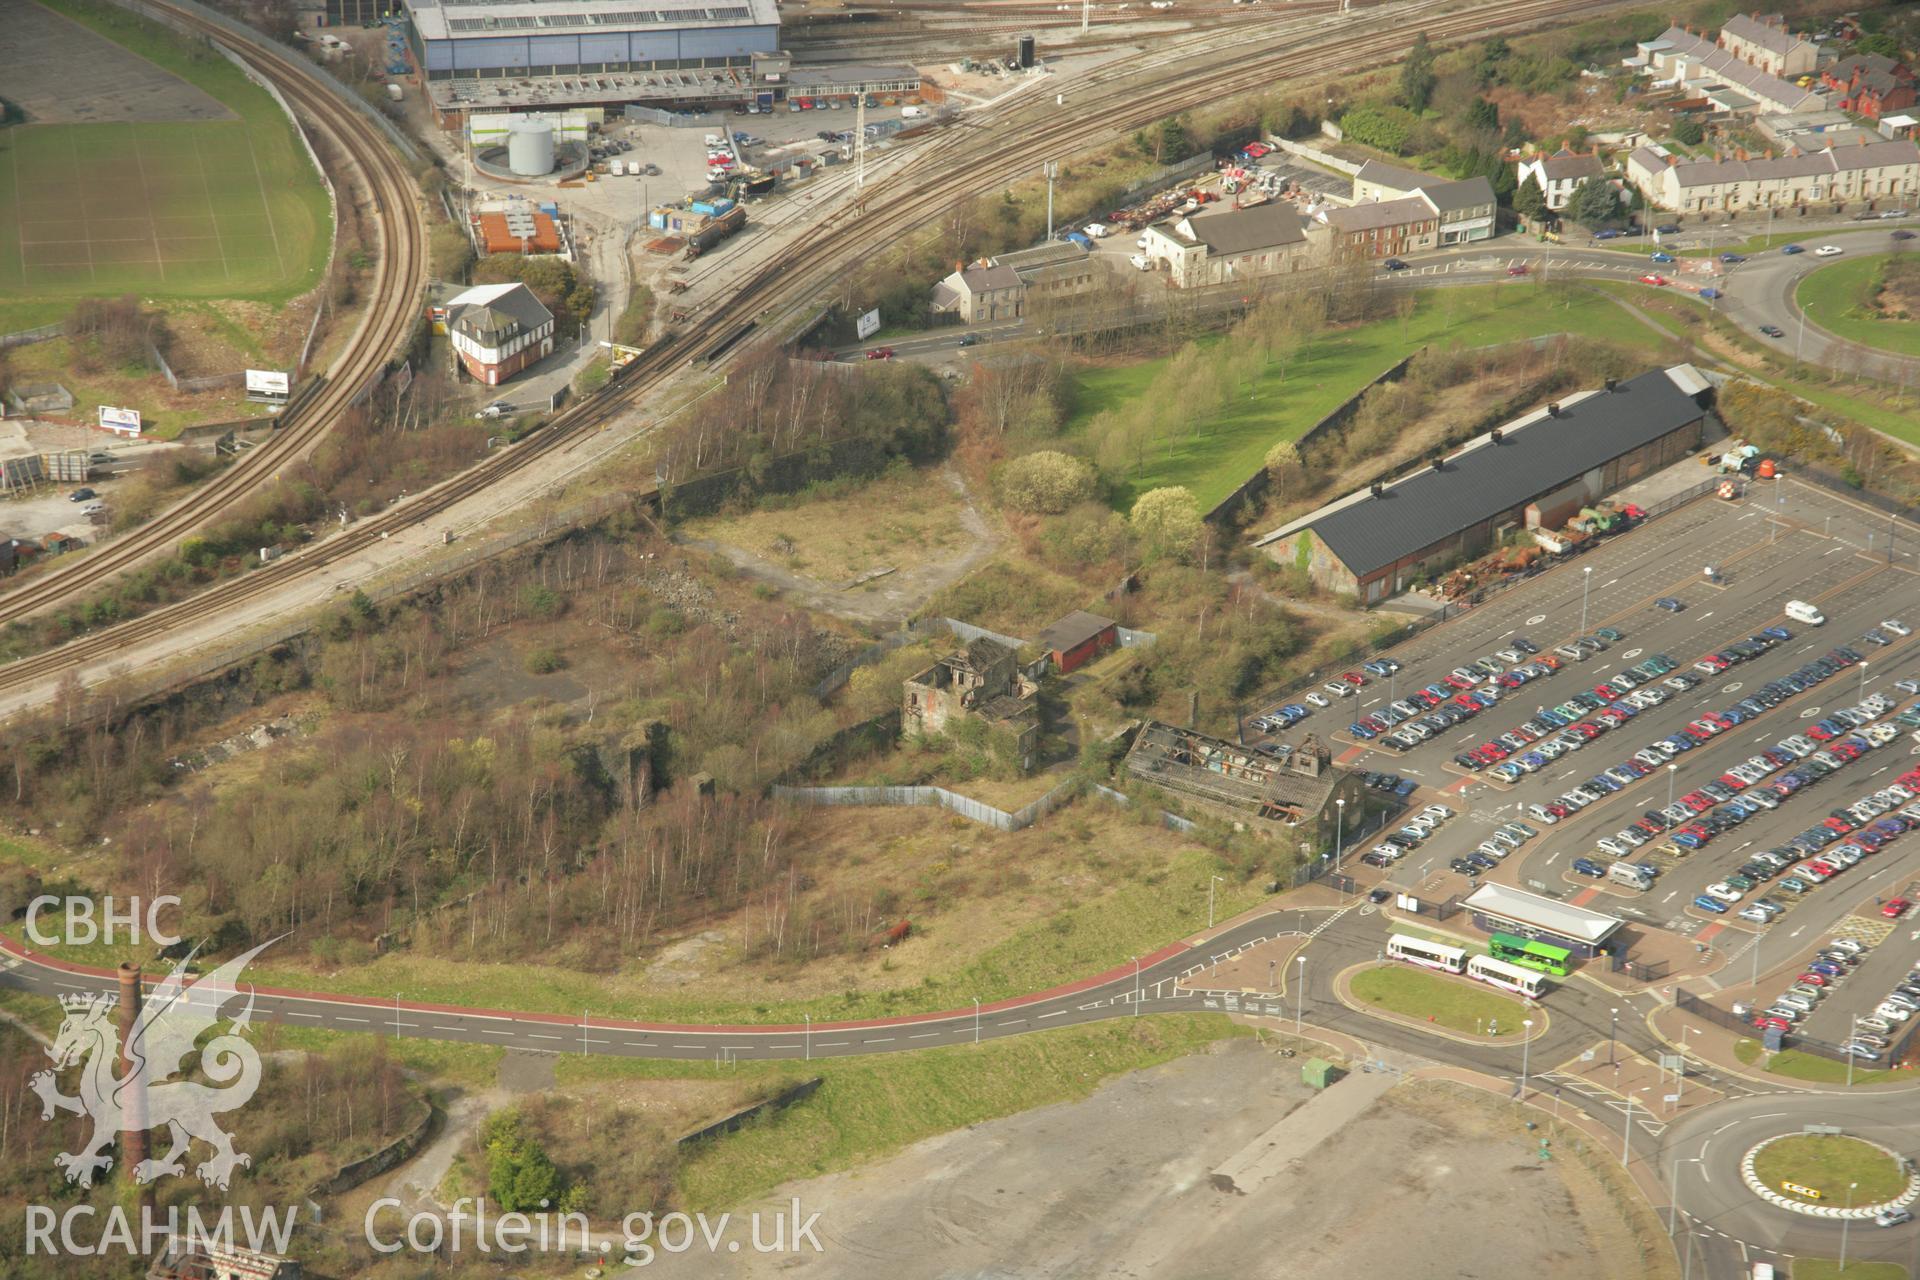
<point>530,148</point>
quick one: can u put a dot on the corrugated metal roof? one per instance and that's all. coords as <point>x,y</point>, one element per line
<point>1562,918</point>
<point>1538,455</point>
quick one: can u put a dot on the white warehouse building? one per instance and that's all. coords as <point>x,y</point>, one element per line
<point>493,39</point>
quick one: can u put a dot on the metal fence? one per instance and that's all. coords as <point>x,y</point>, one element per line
<point>27,337</point>
<point>1838,484</point>
<point>952,801</point>
<point>1687,1002</point>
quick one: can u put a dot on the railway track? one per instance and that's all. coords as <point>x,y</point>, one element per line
<point>953,167</point>
<point>394,300</point>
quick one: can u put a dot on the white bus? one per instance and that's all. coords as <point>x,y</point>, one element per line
<point>1433,955</point>
<point>1509,977</point>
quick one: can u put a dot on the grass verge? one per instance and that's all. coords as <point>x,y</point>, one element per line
<point>1839,298</point>
<point>1829,1269</point>
<point>1829,1164</point>
<point>1795,1065</point>
<point>1415,993</point>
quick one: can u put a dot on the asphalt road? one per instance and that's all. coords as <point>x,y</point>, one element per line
<point>1699,1157</point>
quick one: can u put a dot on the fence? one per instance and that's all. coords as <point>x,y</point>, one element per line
<point>1324,159</point>
<point>672,119</point>
<point>27,337</point>
<point>1858,493</point>
<point>1688,1002</point>
<point>952,801</point>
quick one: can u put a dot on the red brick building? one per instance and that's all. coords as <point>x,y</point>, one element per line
<point>497,330</point>
<point>1870,84</point>
<point>1078,639</point>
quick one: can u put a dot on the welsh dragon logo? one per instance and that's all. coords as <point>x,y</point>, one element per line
<point>160,1044</point>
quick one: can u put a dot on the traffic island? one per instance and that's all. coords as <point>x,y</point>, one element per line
<point>1829,1175</point>
<point>1442,1004</point>
<point>1610,1068</point>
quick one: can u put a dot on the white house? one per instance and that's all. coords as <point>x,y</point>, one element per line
<point>1558,174</point>
<point>1236,244</point>
<point>1875,171</point>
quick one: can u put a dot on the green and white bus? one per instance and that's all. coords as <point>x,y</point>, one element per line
<point>1529,954</point>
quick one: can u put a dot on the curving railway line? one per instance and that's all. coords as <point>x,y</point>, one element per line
<point>953,167</point>
<point>394,302</point>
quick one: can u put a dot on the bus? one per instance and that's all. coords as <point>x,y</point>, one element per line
<point>1433,955</point>
<point>1530,954</point>
<point>1508,977</point>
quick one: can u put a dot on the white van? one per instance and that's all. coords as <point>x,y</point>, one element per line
<point>1763,1271</point>
<point>1629,875</point>
<point>912,113</point>
<point>1801,611</point>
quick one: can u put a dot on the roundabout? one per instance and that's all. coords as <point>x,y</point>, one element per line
<point>1829,1175</point>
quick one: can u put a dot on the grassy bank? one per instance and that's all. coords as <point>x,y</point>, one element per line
<point>868,1108</point>
<point>1839,298</point>
<point>1212,457</point>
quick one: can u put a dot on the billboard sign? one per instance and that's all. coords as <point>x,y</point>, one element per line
<point>869,324</point>
<point>125,422</point>
<point>267,382</point>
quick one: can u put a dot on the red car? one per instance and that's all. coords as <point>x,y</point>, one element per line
<point>1517,269</point>
<point>1764,1023</point>
<point>1552,663</point>
<point>1814,979</point>
<point>1457,682</point>
<point>1631,512</point>
<point>880,353</point>
<point>1355,679</point>
<point>1650,278</point>
<point>1895,908</point>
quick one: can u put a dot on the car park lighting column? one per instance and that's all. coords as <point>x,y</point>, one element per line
<point>1613,1037</point>
<point>1672,770</point>
<point>1846,1220</point>
<point>1300,1000</point>
<point>1339,832</point>
<point>1680,1074</point>
<point>1586,582</point>
<point>1853,1034</point>
<point>1216,880</point>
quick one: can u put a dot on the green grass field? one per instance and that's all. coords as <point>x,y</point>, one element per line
<point>1829,1269</point>
<point>1213,461</point>
<point>218,208</point>
<point>1837,298</point>
<point>1828,1163</point>
<point>1457,1006</point>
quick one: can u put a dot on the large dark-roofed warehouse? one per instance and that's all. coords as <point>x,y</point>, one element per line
<point>1376,542</point>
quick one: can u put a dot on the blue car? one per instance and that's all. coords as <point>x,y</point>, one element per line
<point>1735,714</point>
<point>1826,969</point>
<point>1792,249</point>
<point>1406,788</point>
<point>1778,633</point>
<point>1610,233</point>
<point>1292,712</point>
<point>1664,257</point>
<point>1680,742</point>
<point>1588,867</point>
<point>1733,259</point>
<point>1687,840</point>
<point>1711,293</point>
<point>1362,731</point>
<point>1710,904</point>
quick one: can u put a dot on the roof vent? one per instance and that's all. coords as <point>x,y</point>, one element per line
<point>1613,384</point>
<point>1379,490</point>
<point>1553,410</point>
<point>1496,435</point>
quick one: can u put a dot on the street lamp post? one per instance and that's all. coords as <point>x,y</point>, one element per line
<point>976,1019</point>
<point>1613,1038</point>
<point>1216,880</point>
<point>1137,994</point>
<point>1845,1222</point>
<point>1340,826</point>
<point>1680,1082</point>
<point>1586,582</point>
<point>1673,771</point>
<point>1854,1032</point>
<point>808,1055</point>
<point>1300,997</point>
<point>1626,1133</point>
<point>1526,1047</point>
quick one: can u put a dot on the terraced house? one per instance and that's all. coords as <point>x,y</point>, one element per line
<point>1862,174</point>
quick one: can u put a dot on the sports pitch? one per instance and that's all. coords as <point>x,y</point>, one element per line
<point>204,208</point>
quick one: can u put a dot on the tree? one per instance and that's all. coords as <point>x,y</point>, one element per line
<point>1167,522</point>
<point>1483,115</point>
<point>1689,132</point>
<point>1527,200</point>
<point>1881,43</point>
<point>520,1176</point>
<point>1416,75</point>
<point>1383,128</point>
<point>1046,482</point>
<point>1594,203</point>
